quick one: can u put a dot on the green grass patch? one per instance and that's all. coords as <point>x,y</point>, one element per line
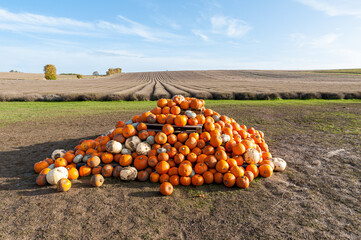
<point>340,71</point>
<point>24,111</point>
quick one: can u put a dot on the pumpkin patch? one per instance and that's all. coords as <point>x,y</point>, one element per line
<point>179,142</point>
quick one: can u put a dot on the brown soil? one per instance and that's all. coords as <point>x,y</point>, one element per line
<point>230,84</point>
<point>317,197</point>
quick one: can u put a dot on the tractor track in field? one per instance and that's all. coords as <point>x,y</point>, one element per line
<point>212,84</point>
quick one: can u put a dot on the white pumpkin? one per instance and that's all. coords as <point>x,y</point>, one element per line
<point>143,148</point>
<point>85,158</point>
<point>78,158</point>
<point>128,174</point>
<point>180,96</point>
<point>126,151</point>
<point>113,147</point>
<point>190,114</point>
<point>252,156</point>
<point>216,118</point>
<point>280,164</point>
<point>58,153</point>
<point>161,150</point>
<point>150,140</point>
<point>132,143</point>
<point>56,174</point>
<point>225,138</point>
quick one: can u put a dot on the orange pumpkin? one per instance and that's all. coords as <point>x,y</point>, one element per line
<point>69,157</point>
<point>162,102</point>
<point>60,162</point>
<point>73,174</point>
<point>184,150</point>
<point>93,161</point>
<point>129,131</point>
<point>168,129</point>
<point>166,188</point>
<point>254,169</point>
<point>265,170</point>
<point>163,157</point>
<point>249,175</point>
<point>97,170</point>
<point>211,161</point>
<point>197,180</point>
<point>191,142</point>
<point>164,178</point>
<point>125,160</point>
<point>161,138</point>
<point>39,166</point>
<point>154,177</point>
<point>218,178</point>
<point>239,149</point>
<point>116,171</point>
<point>107,170</point>
<point>178,158</point>
<point>63,185</point>
<point>221,155</point>
<point>185,170</point>
<point>208,177</point>
<point>200,168</point>
<point>141,162</point>
<point>143,176</point>
<point>107,158</point>
<point>152,161</point>
<point>185,181</point>
<point>162,167</point>
<point>174,180</point>
<point>97,180</point>
<point>229,179</point>
<point>180,120</point>
<point>182,137</point>
<point>41,179</point>
<point>242,182</point>
<point>222,166</point>
<point>237,171</point>
<point>85,171</point>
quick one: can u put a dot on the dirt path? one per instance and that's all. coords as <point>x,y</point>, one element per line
<point>316,198</point>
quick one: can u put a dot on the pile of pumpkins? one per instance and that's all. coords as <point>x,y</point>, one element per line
<point>225,152</point>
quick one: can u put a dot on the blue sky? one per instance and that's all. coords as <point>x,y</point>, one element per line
<point>84,36</point>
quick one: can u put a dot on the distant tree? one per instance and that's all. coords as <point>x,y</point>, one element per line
<point>112,71</point>
<point>95,73</point>
<point>79,76</point>
<point>50,72</point>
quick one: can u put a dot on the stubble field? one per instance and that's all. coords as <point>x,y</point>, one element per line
<point>317,197</point>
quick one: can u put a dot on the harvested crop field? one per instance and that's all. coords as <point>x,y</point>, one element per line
<point>212,84</point>
<point>317,197</point>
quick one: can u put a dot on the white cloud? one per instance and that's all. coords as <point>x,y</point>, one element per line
<point>200,34</point>
<point>34,23</point>
<point>230,27</point>
<point>35,19</point>
<point>335,7</point>
<point>323,41</point>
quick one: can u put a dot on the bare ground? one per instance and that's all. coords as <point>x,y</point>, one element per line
<point>317,197</point>
<point>213,84</point>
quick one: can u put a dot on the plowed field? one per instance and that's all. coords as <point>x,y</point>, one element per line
<point>230,84</point>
